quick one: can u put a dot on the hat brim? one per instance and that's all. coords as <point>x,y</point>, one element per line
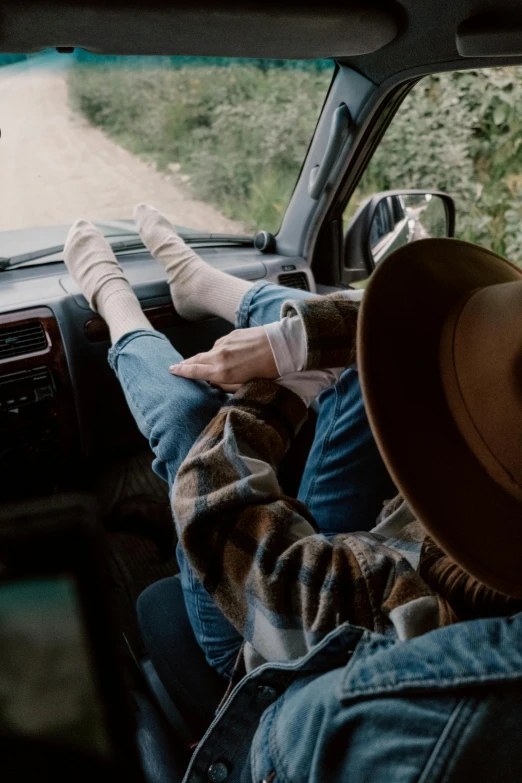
<point>406,303</point>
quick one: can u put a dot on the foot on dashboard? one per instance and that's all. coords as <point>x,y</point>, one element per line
<point>92,264</point>
<point>198,290</point>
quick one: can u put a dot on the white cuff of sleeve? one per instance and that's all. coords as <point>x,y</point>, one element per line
<point>354,294</point>
<point>309,384</point>
<point>287,340</point>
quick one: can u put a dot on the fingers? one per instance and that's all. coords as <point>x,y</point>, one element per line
<point>234,359</point>
<point>203,372</point>
<point>198,372</point>
<point>214,366</point>
<point>200,358</point>
<point>220,359</point>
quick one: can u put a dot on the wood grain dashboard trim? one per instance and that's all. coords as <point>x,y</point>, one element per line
<point>62,406</point>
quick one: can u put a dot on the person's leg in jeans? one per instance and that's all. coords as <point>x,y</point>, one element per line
<point>330,476</point>
<point>345,481</point>
<point>170,411</point>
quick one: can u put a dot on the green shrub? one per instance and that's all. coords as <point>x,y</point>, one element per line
<point>461,133</point>
<point>240,133</point>
<point>138,61</point>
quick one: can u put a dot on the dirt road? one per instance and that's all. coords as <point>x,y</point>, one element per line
<point>55,167</point>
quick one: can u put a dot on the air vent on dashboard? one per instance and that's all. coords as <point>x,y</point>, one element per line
<point>20,339</point>
<point>295,280</point>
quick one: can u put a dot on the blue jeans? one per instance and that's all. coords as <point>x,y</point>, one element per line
<point>344,482</point>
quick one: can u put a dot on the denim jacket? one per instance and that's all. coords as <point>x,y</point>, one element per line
<point>445,706</point>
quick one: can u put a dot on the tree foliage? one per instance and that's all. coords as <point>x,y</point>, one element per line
<point>461,133</point>
<point>240,133</point>
<point>178,62</point>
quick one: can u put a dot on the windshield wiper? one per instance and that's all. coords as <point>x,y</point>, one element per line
<point>23,258</point>
<point>35,255</point>
<point>133,243</point>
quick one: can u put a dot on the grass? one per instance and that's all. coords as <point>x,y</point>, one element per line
<point>239,133</point>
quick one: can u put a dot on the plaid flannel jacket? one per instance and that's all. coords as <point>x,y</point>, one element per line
<point>281,584</point>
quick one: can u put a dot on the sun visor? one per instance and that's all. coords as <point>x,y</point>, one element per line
<point>490,35</point>
<point>266,29</point>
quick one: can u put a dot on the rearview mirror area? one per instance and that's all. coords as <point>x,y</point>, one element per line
<point>387,221</point>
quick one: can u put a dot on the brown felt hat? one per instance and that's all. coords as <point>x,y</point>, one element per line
<point>440,359</point>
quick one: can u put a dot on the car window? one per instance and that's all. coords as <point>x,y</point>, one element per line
<point>459,133</point>
<point>215,143</point>
<point>382,223</point>
<point>398,209</point>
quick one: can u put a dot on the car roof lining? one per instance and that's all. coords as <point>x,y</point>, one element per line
<point>428,40</point>
<point>264,28</point>
<point>381,39</point>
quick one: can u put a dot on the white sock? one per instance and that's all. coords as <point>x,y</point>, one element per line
<point>197,289</point>
<point>92,264</point>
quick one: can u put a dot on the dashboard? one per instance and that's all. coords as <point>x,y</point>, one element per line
<point>60,404</point>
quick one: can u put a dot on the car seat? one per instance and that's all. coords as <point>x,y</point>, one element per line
<point>185,687</point>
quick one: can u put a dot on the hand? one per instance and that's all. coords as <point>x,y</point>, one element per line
<point>240,356</point>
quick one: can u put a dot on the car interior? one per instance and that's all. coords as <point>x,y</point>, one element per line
<point>64,424</point>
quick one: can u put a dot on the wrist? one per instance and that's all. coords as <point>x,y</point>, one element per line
<point>288,343</point>
<point>309,384</point>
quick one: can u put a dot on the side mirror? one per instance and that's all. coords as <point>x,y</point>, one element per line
<point>390,220</point>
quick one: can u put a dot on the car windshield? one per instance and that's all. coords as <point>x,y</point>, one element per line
<point>216,144</point>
